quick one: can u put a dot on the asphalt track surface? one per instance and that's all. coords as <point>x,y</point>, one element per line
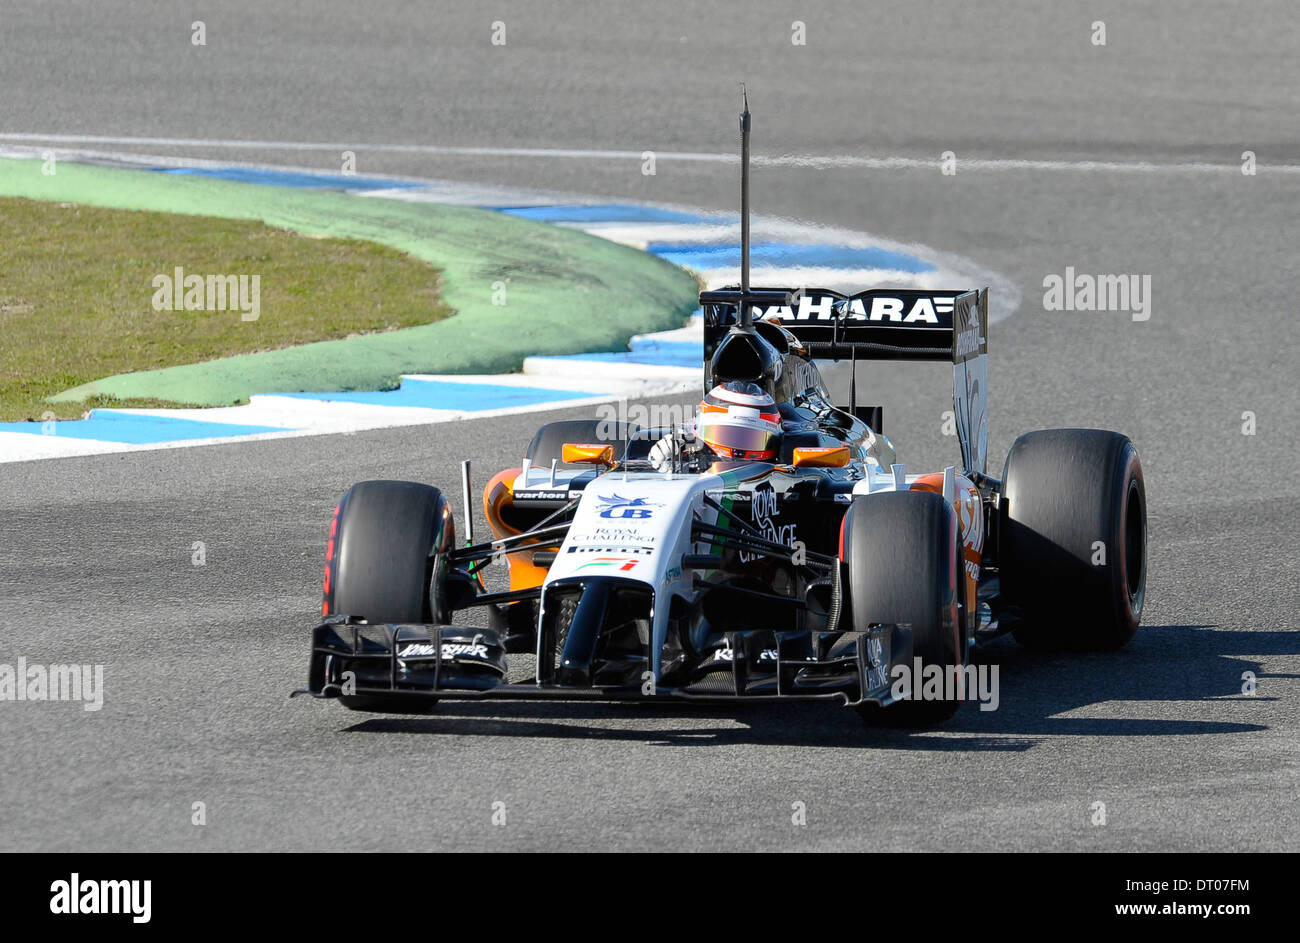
<point>95,553</point>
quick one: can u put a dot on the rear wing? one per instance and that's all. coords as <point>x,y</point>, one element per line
<point>880,324</point>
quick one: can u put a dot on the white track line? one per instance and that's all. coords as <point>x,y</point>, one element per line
<point>828,161</point>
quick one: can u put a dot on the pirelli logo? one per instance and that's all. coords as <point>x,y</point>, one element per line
<point>603,548</point>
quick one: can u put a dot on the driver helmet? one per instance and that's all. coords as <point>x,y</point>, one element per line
<point>739,420</point>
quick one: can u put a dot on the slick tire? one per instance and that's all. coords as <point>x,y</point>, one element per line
<point>902,551</point>
<point>1072,534</point>
<point>388,563</point>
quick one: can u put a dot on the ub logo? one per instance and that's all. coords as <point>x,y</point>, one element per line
<point>616,506</point>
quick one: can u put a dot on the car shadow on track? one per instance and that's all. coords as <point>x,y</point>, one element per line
<point>1195,665</point>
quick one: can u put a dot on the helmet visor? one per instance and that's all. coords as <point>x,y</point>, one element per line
<point>736,437</point>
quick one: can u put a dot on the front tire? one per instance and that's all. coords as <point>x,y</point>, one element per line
<point>390,536</point>
<point>388,563</point>
<point>902,553</point>
<point>1072,538</point>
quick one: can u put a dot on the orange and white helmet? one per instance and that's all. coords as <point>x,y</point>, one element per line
<point>739,420</point>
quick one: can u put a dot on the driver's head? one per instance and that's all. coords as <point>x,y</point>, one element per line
<point>739,420</point>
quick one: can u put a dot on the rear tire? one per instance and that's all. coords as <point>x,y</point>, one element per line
<point>1072,538</point>
<point>389,564</point>
<point>902,552</point>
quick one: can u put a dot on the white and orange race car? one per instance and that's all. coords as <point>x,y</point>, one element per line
<point>770,548</point>
<point>798,561</point>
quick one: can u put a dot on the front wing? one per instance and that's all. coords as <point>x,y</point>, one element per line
<point>413,663</point>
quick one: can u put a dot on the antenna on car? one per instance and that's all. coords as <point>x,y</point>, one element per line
<point>743,353</point>
<point>853,380</point>
<point>746,320</point>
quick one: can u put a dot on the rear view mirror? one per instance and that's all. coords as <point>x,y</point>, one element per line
<point>835,456</point>
<point>575,453</point>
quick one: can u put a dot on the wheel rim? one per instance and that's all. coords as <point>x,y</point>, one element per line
<point>1135,540</point>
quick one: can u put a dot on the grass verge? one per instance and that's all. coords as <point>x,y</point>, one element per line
<point>77,296</point>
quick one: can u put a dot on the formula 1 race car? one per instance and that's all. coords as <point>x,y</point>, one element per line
<point>770,548</point>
